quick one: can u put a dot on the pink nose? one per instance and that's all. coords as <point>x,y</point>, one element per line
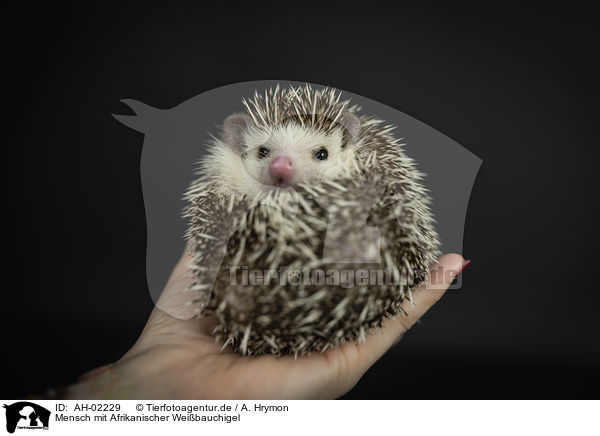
<point>281,170</point>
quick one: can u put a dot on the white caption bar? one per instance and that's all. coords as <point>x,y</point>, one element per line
<point>301,417</point>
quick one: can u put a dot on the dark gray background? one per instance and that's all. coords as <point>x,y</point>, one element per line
<point>517,86</point>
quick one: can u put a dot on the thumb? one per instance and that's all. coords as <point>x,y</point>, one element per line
<point>174,299</point>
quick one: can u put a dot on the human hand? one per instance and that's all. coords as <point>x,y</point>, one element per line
<point>178,358</point>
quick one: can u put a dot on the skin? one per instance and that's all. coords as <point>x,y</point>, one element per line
<point>177,358</point>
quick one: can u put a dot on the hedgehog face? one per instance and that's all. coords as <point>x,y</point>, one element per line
<point>267,148</point>
<point>290,154</point>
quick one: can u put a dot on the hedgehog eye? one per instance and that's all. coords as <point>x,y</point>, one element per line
<point>321,154</point>
<point>263,152</point>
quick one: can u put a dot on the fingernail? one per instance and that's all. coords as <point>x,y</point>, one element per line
<point>465,265</point>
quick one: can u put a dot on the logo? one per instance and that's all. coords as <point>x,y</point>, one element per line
<point>174,140</point>
<point>26,415</point>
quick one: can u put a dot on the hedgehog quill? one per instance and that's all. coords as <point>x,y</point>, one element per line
<point>308,225</point>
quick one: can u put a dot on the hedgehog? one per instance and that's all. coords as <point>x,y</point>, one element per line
<point>308,225</point>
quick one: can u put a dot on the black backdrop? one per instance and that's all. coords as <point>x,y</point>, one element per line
<point>515,85</point>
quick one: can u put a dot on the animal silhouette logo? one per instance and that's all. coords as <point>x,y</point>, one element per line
<point>26,415</point>
<point>175,141</point>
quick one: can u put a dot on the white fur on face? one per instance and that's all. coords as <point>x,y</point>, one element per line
<point>249,174</point>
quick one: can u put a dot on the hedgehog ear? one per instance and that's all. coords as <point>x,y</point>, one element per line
<point>233,129</point>
<point>352,125</point>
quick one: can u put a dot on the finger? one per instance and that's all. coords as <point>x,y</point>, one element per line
<point>423,298</point>
<point>175,299</point>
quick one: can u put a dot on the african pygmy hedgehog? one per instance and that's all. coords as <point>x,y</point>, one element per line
<point>308,224</point>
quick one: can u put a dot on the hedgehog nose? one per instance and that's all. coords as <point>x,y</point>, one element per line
<point>281,170</point>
